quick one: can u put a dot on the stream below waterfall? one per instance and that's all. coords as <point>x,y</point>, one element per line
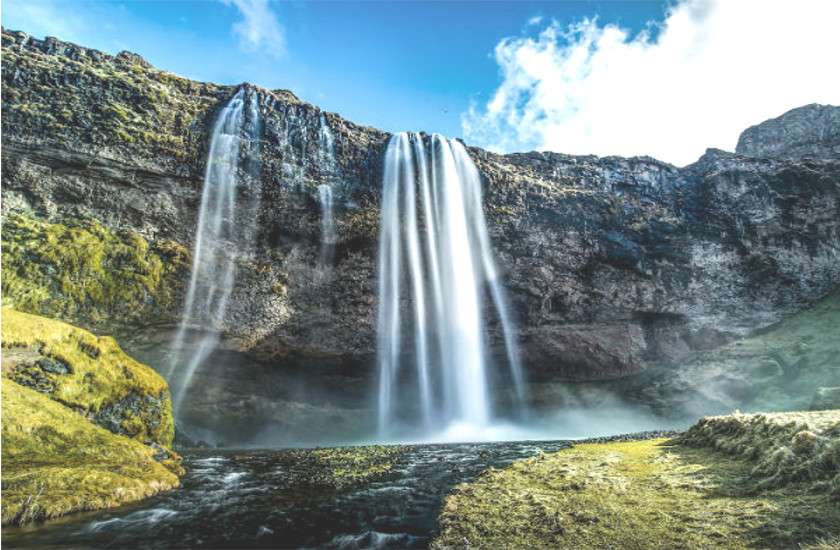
<point>243,499</point>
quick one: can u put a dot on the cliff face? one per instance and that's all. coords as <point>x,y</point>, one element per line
<point>612,264</point>
<point>812,131</point>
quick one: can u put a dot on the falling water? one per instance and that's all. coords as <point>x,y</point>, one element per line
<point>448,264</point>
<point>329,168</point>
<point>328,236</point>
<point>326,148</point>
<point>225,228</point>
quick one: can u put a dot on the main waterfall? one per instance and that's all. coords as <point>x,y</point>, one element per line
<point>434,254</point>
<point>226,219</point>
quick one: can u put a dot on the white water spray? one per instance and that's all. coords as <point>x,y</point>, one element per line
<point>448,263</point>
<point>225,230</point>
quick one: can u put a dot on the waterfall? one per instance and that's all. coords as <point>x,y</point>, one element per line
<point>326,147</point>
<point>224,232</point>
<point>329,168</point>
<point>328,235</point>
<point>442,268</point>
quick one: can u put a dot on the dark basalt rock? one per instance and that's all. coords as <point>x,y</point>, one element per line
<point>120,417</point>
<point>611,264</point>
<point>811,131</point>
<point>54,366</point>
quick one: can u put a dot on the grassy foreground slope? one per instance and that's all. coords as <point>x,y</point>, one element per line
<point>714,487</point>
<point>89,374</point>
<point>56,462</point>
<point>85,426</point>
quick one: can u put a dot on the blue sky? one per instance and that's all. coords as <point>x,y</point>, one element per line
<point>396,66</point>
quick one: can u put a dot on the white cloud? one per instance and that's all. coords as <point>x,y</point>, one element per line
<point>259,28</point>
<point>714,68</point>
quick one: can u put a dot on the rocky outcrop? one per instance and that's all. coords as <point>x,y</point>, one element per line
<point>812,131</point>
<point>80,418</point>
<point>90,375</point>
<point>778,368</point>
<point>55,462</point>
<point>612,264</point>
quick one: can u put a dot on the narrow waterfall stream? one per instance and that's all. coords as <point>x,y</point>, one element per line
<point>225,230</point>
<point>435,254</point>
<point>329,169</point>
<point>328,236</point>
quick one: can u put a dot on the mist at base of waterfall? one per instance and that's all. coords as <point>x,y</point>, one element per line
<point>563,424</point>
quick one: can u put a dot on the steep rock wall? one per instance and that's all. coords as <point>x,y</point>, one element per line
<point>611,263</point>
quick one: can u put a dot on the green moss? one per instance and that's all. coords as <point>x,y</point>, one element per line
<point>88,272</point>
<point>90,374</point>
<point>779,368</point>
<point>351,466</point>
<point>643,494</point>
<point>140,108</point>
<point>341,468</point>
<point>56,462</point>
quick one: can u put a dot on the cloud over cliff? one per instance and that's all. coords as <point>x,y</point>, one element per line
<point>694,80</point>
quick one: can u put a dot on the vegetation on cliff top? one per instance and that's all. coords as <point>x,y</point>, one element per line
<point>50,86</point>
<point>55,461</point>
<point>88,273</point>
<point>89,374</point>
<point>642,494</point>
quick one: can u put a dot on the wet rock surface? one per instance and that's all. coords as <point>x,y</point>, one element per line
<point>613,265</point>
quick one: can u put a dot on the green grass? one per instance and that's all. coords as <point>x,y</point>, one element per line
<point>55,461</point>
<point>634,495</point>
<point>101,374</point>
<point>784,447</point>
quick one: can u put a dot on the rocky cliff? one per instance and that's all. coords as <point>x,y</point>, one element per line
<point>812,131</point>
<point>612,264</point>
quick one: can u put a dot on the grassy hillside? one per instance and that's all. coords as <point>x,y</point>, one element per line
<point>692,492</point>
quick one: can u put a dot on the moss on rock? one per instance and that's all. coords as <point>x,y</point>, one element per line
<point>121,102</point>
<point>340,468</point>
<point>639,494</point>
<point>89,374</point>
<point>56,462</point>
<point>86,272</point>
